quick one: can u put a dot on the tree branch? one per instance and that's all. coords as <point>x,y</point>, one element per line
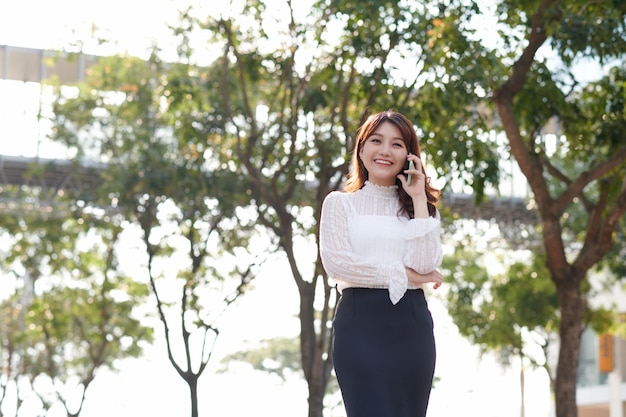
<point>503,97</point>
<point>576,187</point>
<point>599,244</point>
<point>556,173</point>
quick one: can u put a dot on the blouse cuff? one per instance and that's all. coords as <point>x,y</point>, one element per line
<point>421,227</point>
<point>398,282</point>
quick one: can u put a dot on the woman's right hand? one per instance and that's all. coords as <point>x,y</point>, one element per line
<point>417,279</point>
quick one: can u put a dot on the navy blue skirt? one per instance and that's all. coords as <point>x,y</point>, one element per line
<point>384,354</point>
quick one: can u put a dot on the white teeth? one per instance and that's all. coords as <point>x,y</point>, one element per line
<point>378,161</point>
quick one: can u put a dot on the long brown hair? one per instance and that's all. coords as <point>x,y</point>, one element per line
<point>358,174</point>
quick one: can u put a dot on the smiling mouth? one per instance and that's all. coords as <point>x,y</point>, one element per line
<point>382,162</point>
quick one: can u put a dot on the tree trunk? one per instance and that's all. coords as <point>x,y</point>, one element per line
<point>570,329</point>
<point>314,351</point>
<point>193,391</point>
<point>522,384</point>
<point>316,398</point>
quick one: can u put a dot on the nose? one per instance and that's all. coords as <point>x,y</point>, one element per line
<point>385,149</point>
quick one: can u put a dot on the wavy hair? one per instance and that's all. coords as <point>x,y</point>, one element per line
<point>358,174</point>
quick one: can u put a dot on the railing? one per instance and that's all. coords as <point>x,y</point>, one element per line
<point>35,65</point>
<point>58,174</point>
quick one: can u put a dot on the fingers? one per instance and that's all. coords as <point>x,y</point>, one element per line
<point>415,172</point>
<point>402,179</point>
<point>416,161</point>
<point>415,165</point>
<point>439,280</point>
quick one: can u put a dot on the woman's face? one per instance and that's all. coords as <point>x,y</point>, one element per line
<point>383,154</point>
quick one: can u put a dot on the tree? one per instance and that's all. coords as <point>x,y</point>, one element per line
<point>322,97</point>
<point>65,318</point>
<point>282,102</point>
<point>593,122</point>
<point>506,312</point>
<point>161,176</point>
<point>288,99</point>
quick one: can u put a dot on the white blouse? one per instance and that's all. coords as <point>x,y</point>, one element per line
<point>366,242</point>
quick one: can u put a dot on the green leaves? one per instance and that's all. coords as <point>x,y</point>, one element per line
<point>201,158</point>
<point>596,30</point>
<point>279,356</point>
<point>598,119</point>
<point>72,310</point>
<point>495,311</point>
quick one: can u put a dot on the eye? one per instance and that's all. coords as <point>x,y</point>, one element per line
<point>375,140</point>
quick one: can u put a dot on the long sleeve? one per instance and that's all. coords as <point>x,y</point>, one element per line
<point>340,260</point>
<point>423,250</point>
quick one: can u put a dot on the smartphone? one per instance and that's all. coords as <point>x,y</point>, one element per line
<point>409,165</point>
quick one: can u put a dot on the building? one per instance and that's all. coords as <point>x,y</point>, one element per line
<point>602,367</point>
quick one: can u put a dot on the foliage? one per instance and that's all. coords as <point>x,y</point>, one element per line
<point>578,187</point>
<point>169,185</point>
<point>254,140</point>
<point>278,356</point>
<point>286,101</point>
<point>72,311</point>
<point>495,310</point>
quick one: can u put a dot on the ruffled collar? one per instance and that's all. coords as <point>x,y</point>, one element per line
<point>380,190</point>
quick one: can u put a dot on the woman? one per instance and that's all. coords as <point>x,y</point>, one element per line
<point>380,242</point>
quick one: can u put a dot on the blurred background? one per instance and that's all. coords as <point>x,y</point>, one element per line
<point>162,166</point>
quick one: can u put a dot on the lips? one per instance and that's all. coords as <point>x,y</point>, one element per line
<point>382,162</point>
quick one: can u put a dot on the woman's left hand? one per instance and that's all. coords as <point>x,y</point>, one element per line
<point>417,187</point>
<point>435,277</point>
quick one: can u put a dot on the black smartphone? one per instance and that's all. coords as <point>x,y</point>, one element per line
<point>408,165</point>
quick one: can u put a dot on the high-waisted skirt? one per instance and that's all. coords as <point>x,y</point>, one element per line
<point>384,354</point>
